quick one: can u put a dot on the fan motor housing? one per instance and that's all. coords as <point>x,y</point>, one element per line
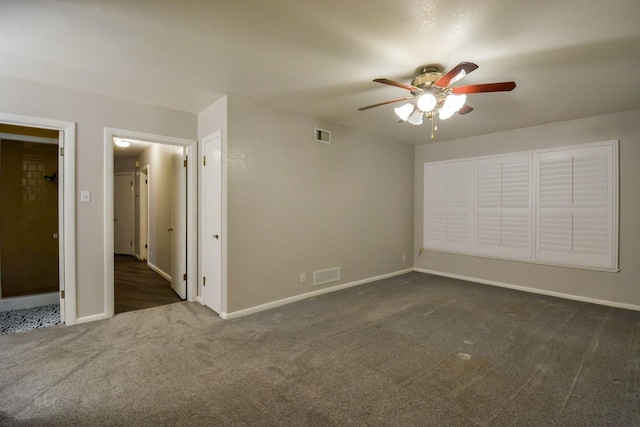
<point>426,79</point>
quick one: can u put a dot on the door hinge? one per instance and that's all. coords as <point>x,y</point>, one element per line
<point>131,243</point>
<point>62,151</point>
<point>204,160</point>
<point>184,276</point>
<point>146,246</point>
<point>204,281</point>
<point>184,163</point>
<point>62,294</point>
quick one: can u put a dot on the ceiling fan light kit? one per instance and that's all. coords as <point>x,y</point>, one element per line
<point>426,102</point>
<point>433,98</point>
<point>405,111</point>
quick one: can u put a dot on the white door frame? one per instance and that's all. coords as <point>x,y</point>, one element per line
<point>192,211</point>
<point>66,207</point>
<point>28,301</point>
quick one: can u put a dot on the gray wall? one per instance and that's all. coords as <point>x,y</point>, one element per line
<point>622,287</point>
<point>295,206</point>
<point>92,113</point>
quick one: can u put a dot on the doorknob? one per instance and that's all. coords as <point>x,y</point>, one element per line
<point>216,236</point>
<point>169,229</point>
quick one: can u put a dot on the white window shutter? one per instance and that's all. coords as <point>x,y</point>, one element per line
<point>448,206</point>
<point>503,206</point>
<point>576,223</point>
<point>556,206</point>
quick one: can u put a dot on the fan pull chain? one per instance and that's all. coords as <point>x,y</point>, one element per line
<point>432,129</point>
<point>434,124</point>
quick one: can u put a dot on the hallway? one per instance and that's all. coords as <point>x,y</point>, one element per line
<point>136,286</point>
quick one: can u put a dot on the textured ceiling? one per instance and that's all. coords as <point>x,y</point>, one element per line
<point>569,58</point>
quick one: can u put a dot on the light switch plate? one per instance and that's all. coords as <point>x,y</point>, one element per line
<point>85,196</point>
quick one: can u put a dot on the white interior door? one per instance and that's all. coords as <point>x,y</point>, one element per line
<point>143,201</point>
<point>123,213</point>
<point>179,223</point>
<point>211,262</point>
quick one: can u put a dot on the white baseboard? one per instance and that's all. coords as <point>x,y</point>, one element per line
<point>160,272</point>
<point>29,301</point>
<point>532,290</point>
<point>274,304</point>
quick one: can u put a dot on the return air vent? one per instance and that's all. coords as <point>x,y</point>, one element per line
<point>322,277</point>
<point>323,136</point>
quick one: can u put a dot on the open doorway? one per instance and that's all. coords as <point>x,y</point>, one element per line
<point>144,264</point>
<point>150,183</point>
<point>29,227</point>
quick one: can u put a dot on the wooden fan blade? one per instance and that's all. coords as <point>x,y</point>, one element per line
<point>398,84</point>
<point>487,87</point>
<point>465,109</point>
<point>465,67</point>
<point>385,103</point>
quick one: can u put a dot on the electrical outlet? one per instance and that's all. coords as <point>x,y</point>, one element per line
<point>303,278</point>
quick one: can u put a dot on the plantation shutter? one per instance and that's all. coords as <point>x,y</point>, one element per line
<point>448,206</point>
<point>556,206</point>
<point>503,220</point>
<point>575,218</point>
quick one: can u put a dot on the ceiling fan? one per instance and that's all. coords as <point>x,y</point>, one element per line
<point>432,97</point>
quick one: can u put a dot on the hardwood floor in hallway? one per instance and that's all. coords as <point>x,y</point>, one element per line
<point>136,286</point>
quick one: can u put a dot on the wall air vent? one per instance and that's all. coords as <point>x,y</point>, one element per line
<point>322,277</point>
<point>323,136</point>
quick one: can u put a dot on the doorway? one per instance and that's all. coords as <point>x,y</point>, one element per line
<point>160,236</point>
<point>153,205</point>
<point>28,218</point>
<point>37,246</point>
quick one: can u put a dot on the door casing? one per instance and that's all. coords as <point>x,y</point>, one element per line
<point>66,206</point>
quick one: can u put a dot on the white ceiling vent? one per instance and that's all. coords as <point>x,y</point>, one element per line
<point>322,277</point>
<point>322,135</point>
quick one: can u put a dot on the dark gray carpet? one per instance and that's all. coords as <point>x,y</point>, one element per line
<point>26,319</point>
<point>414,350</point>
